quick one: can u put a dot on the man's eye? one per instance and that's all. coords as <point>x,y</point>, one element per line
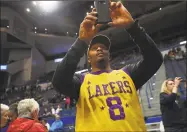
<point>94,48</point>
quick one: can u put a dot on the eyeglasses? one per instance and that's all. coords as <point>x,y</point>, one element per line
<point>170,83</point>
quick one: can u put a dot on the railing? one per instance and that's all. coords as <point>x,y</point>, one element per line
<point>149,88</point>
<point>153,127</point>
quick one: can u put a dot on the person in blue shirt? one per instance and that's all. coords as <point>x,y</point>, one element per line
<point>57,125</point>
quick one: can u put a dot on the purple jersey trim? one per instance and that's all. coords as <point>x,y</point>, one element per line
<point>99,72</point>
<point>82,78</point>
<point>125,70</point>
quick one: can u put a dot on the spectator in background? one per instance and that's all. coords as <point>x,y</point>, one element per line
<point>67,103</point>
<point>57,125</point>
<point>46,112</point>
<point>185,54</point>
<point>46,124</point>
<point>174,51</point>
<point>58,110</point>
<point>53,110</point>
<point>27,121</point>
<point>4,115</point>
<point>179,54</point>
<point>173,116</point>
<point>171,55</point>
<point>165,56</point>
<point>13,112</point>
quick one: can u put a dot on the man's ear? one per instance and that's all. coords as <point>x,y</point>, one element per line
<point>88,59</point>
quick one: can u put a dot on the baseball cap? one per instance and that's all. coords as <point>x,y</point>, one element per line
<point>103,39</point>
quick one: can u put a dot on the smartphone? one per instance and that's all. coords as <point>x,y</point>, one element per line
<point>102,8</point>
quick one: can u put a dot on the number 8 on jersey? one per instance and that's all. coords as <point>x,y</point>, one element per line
<point>112,107</point>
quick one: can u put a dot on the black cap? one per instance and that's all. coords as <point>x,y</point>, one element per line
<point>103,39</point>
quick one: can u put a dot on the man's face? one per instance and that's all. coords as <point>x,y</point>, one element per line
<point>12,115</point>
<point>98,52</point>
<point>4,118</point>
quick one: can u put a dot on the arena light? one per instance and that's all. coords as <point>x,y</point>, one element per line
<point>35,32</point>
<point>58,60</point>
<point>35,27</point>
<point>28,10</point>
<point>91,6</point>
<point>160,9</point>
<point>183,42</point>
<point>7,26</point>
<point>45,29</point>
<point>3,67</point>
<point>47,6</point>
<point>34,2</point>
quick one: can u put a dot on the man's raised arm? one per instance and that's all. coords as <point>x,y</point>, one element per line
<point>64,79</point>
<point>143,70</point>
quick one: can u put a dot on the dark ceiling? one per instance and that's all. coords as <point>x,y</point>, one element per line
<point>69,14</point>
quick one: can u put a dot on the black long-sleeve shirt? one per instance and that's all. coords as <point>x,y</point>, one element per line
<point>173,115</point>
<point>68,83</point>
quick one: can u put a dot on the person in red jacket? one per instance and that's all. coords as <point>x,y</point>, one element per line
<point>27,120</point>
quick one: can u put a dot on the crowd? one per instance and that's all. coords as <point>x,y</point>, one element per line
<point>175,54</point>
<point>51,103</point>
<point>24,116</point>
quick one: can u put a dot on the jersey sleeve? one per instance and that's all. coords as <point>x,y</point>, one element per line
<point>144,69</point>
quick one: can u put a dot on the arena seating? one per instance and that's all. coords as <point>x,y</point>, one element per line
<point>175,68</point>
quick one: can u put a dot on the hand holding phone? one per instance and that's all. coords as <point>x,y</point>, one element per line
<point>177,81</point>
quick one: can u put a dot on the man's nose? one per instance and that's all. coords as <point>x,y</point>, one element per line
<point>99,48</point>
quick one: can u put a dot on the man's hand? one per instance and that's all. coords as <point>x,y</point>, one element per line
<point>120,15</point>
<point>89,27</point>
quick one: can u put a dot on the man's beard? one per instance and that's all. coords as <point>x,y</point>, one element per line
<point>102,64</point>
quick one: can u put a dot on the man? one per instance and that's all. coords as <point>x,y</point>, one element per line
<point>107,99</point>
<point>57,124</point>
<point>27,120</point>
<point>53,110</point>
<point>13,112</point>
<point>58,110</point>
<point>4,115</point>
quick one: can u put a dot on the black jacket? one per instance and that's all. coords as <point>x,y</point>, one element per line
<point>68,83</point>
<point>173,114</point>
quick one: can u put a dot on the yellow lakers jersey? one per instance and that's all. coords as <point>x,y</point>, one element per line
<point>108,102</point>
